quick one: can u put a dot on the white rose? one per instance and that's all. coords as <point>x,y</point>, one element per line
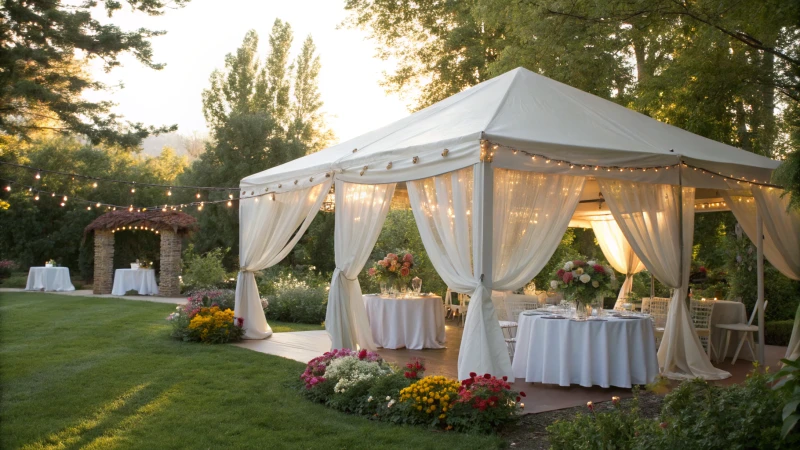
<point>591,263</point>
<point>585,278</point>
<point>568,265</point>
<point>554,284</point>
<point>595,284</point>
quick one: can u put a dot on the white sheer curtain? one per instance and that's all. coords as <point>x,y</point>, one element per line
<point>660,228</point>
<point>360,212</point>
<point>783,227</point>
<point>269,227</point>
<point>618,252</point>
<point>531,212</point>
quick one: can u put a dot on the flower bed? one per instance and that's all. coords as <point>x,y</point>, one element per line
<point>207,317</point>
<point>363,383</point>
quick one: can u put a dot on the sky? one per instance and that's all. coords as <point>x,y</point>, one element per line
<point>204,31</point>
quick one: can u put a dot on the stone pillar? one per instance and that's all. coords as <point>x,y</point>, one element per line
<point>103,261</point>
<point>170,285</point>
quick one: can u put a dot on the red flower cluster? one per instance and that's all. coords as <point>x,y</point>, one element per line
<point>315,369</point>
<point>578,262</point>
<point>567,277</point>
<point>416,368</point>
<point>485,392</point>
<point>598,268</point>
<point>560,273</point>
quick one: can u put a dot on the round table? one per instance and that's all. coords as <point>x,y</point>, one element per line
<point>723,312</point>
<point>142,281</point>
<point>49,279</point>
<point>414,323</point>
<point>612,352</point>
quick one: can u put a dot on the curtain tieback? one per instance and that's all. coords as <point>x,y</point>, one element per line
<point>247,271</point>
<point>341,274</point>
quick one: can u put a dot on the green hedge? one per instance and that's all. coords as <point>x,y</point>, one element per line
<point>778,332</point>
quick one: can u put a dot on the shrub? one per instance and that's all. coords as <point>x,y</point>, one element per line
<point>430,399</point>
<point>202,319</point>
<point>206,271</point>
<point>615,429</point>
<point>299,304</point>
<point>224,298</point>
<point>215,326</point>
<point>17,280</point>
<point>6,267</point>
<point>778,332</point>
<point>696,415</point>
<point>484,403</point>
<point>788,381</point>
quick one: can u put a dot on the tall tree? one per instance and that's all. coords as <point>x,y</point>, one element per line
<point>308,124</point>
<point>255,123</point>
<point>42,78</point>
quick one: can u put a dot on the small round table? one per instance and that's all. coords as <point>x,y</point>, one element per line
<point>611,352</point>
<point>49,279</point>
<point>142,281</point>
<point>414,323</point>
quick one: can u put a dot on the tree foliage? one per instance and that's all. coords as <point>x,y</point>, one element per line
<point>44,48</point>
<point>260,114</point>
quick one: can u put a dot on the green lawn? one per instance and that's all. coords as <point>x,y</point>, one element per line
<point>81,372</point>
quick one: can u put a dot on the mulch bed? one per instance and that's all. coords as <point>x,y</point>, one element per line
<point>531,431</point>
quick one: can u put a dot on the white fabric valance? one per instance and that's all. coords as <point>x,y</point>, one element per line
<point>530,214</point>
<point>658,222</point>
<point>360,212</point>
<point>269,227</point>
<point>618,252</point>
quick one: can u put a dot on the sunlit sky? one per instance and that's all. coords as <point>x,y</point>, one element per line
<point>202,33</point>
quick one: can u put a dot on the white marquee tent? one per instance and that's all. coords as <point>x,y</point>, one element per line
<point>495,175</point>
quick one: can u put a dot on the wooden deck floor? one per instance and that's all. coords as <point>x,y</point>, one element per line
<point>305,345</point>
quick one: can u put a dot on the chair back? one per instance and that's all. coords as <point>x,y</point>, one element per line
<point>658,308</point>
<point>755,310</point>
<point>515,304</point>
<point>700,311</point>
<point>500,307</point>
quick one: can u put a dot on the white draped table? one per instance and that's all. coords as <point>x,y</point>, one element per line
<point>49,279</point>
<point>723,312</point>
<point>142,281</point>
<point>414,323</point>
<point>614,352</point>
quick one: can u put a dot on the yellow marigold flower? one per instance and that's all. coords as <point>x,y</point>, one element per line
<point>419,408</point>
<point>441,416</point>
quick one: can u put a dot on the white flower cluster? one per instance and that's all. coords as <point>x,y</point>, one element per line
<point>289,282</point>
<point>350,370</point>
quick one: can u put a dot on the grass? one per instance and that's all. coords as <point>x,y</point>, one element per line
<point>103,373</point>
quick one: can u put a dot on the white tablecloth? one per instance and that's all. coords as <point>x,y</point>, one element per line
<point>614,352</point>
<point>142,281</point>
<point>728,312</point>
<point>413,323</point>
<point>49,279</point>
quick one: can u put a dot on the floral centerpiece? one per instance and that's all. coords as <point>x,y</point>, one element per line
<point>393,268</point>
<point>50,263</point>
<point>584,281</point>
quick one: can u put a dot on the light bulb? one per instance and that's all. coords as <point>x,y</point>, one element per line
<point>97,205</point>
<point>197,195</point>
<point>94,185</point>
<point>38,176</point>
<point>8,188</point>
<point>65,198</point>
<point>169,192</point>
<point>36,198</point>
<point>230,203</point>
<point>133,190</point>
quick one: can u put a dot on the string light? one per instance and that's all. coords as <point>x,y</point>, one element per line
<point>36,198</point>
<point>8,188</point>
<point>94,185</point>
<point>38,176</point>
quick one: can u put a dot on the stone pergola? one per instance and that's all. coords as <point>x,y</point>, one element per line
<point>170,225</point>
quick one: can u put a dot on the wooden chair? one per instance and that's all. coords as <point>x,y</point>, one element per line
<point>658,308</point>
<point>746,330</point>
<point>700,311</point>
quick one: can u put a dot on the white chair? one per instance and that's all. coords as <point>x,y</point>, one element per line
<point>516,304</point>
<point>746,330</point>
<point>701,311</point>
<point>658,308</point>
<point>508,327</point>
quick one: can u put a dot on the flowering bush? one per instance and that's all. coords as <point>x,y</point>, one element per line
<point>430,398</point>
<point>485,403</point>
<point>584,281</point>
<point>6,267</point>
<point>392,267</point>
<point>206,317</point>
<point>339,371</point>
<point>414,369</point>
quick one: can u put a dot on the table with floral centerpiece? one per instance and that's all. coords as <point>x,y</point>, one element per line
<point>49,278</point>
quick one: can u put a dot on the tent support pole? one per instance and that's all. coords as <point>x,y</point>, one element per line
<point>652,286</point>
<point>484,197</point>
<point>760,270</point>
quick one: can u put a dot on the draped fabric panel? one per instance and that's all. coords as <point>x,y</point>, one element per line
<point>744,207</point>
<point>530,214</point>
<point>658,222</point>
<point>360,212</point>
<point>269,228</point>
<point>618,252</point>
<point>783,227</point>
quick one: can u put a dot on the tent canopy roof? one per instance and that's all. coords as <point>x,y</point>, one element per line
<point>525,111</point>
